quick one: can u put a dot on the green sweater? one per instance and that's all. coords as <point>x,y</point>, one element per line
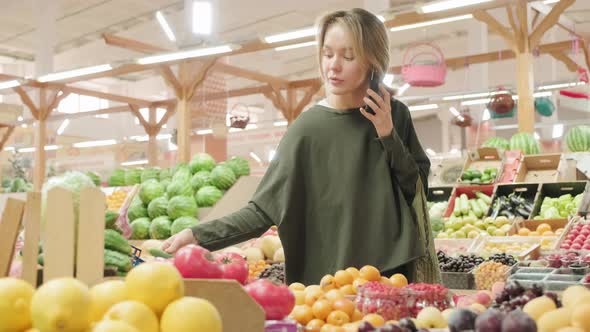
<point>339,195</point>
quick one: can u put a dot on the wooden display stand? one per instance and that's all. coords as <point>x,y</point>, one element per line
<point>539,168</point>
<point>482,158</point>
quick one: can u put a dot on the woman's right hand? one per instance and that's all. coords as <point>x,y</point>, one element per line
<point>179,240</point>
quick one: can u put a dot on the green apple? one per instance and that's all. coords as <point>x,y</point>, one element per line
<point>458,224</point>
<point>472,234</point>
<point>442,235</point>
<point>491,229</point>
<point>489,221</point>
<point>480,224</point>
<point>506,228</point>
<point>499,232</point>
<point>459,235</point>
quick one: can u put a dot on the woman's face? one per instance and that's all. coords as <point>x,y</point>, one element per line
<point>342,70</point>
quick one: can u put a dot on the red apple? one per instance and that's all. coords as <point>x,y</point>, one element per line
<point>193,261</point>
<point>576,246</point>
<point>586,246</point>
<point>585,231</point>
<point>233,266</point>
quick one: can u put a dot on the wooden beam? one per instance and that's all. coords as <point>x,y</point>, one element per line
<point>497,27</point>
<point>525,87</point>
<point>171,79</point>
<point>40,138</point>
<point>563,22</point>
<point>131,44</point>
<point>549,21</point>
<point>536,16</point>
<point>6,135</point>
<point>104,95</point>
<point>152,151</point>
<point>189,89</point>
<point>309,93</point>
<point>135,110</point>
<point>522,14</point>
<point>57,100</point>
<point>79,115</point>
<point>584,46</point>
<point>169,112</point>
<point>567,61</point>
<point>510,15</point>
<point>24,96</point>
<point>305,83</point>
<point>249,74</point>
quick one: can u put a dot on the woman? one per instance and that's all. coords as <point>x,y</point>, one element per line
<point>343,183</point>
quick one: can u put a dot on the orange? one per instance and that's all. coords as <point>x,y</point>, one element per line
<point>312,288</point>
<point>558,231</point>
<point>299,297</point>
<point>327,283</point>
<point>343,278</point>
<point>332,328</point>
<point>375,319</point>
<point>542,228</point>
<point>333,295</point>
<point>357,315</point>
<point>357,283</point>
<point>548,233</point>
<point>524,231</point>
<point>534,233</point>
<point>296,286</point>
<point>385,280</point>
<point>347,290</point>
<point>344,305</point>
<point>353,271</point>
<point>302,314</point>
<point>370,273</point>
<point>399,280</point>
<point>321,309</point>
<point>338,318</point>
<point>315,324</point>
<point>312,296</point>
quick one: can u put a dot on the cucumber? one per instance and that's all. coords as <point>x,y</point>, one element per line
<point>457,208</point>
<point>475,174</point>
<point>464,204</point>
<point>482,205</point>
<point>466,176</point>
<point>475,208</point>
<point>156,252</point>
<point>121,261</point>
<point>115,241</point>
<point>487,199</point>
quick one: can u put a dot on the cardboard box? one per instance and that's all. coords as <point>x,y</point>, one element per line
<point>512,160</point>
<point>487,189</point>
<point>539,168</point>
<point>483,158</point>
<point>554,190</point>
<point>445,172</point>
<point>235,198</point>
<point>528,191</point>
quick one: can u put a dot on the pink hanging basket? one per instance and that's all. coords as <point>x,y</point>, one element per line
<point>430,71</point>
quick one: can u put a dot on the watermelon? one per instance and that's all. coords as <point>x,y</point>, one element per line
<point>158,207</point>
<point>239,165</point>
<point>497,142</point>
<point>222,177</point>
<point>117,179</point>
<point>166,174</point>
<point>183,173</point>
<point>525,142</point>
<point>179,188</point>
<point>208,196</point>
<point>182,206</point>
<point>183,223</point>
<point>133,176</point>
<point>136,211</point>
<point>578,139</point>
<point>160,228</point>
<point>150,190</point>
<point>140,229</point>
<point>200,179</point>
<point>150,173</point>
<point>202,162</point>
<point>95,178</point>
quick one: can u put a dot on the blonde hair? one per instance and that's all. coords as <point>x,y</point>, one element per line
<point>371,42</point>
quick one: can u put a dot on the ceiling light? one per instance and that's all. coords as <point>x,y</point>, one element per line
<point>433,22</point>
<point>51,147</point>
<point>289,47</point>
<point>165,26</point>
<point>547,2</point>
<point>536,135</point>
<point>200,52</point>
<point>24,125</point>
<point>557,130</point>
<point>475,102</point>
<point>204,131</point>
<point>63,126</point>
<point>290,35</point>
<point>449,4</point>
<point>280,123</point>
<point>9,84</point>
<point>430,152</point>
<point>423,107</point>
<point>271,154</point>
<point>74,73</point>
<point>388,79</point>
<point>202,17</point>
<point>486,115</point>
<point>472,95</point>
<point>135,162</point>
<point>543,94</point>
<point>20,118</point>
<point>381,18</point>
<point>26,150</point>
<point>9,148</point>
<point>89,144</point>
<point>255,157</point>
<point>403,89</point>
<point>454,111</point>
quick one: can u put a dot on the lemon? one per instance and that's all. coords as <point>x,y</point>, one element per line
<point>135,314</point>
<point>104,296</point>
<point>61,305</point>
<point>113,326</point>
<point>15,301</point>
<point>198,315</point>
<point>156,284</point>
<point>572,294</point>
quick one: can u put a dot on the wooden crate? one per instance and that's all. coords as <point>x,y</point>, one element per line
<point>482,158</point>
<point>487,189</point>
<point>512,160</point>
<point>526,190</point>
<point>539,168</point>
<point>555,190</point>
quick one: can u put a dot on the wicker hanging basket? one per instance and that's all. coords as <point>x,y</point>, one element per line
<point>430,71</point>
<point>238,120</point>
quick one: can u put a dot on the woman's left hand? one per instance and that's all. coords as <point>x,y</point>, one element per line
<point>382,118</point>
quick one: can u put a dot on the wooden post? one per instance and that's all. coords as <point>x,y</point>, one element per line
<point>290,106</point>
<point>152,152</point>
<point>526,101</point>
<point>183,126</point>
<point>4,137</point>
<point>40,139</point>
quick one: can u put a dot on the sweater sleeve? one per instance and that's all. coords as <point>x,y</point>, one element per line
<point>240,226</point>
<point>406,157</point>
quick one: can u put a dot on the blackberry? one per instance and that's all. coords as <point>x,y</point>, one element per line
<point>275,272</point>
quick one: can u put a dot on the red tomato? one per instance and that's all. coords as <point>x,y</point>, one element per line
<point>276,300</point>
<point>233,266</point>
<point>193,261</point>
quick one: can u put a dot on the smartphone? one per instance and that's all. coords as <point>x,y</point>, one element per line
<point>373,85</point>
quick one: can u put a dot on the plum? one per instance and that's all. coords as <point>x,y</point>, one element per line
<point>489,321</point>
<point>408,324</point>
<point>518,321</point>
<point>366,327</point>
<point>461,320</point>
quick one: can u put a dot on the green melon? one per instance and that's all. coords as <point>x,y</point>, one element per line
<point>160,228</point>
<point>239,165</point>
<point>182,206</point>
<point>222,177</point>
<point>200,179</point>
<point>497,142</point>
<point>140,229</point>
<point>578,139</point>
<point>525,142</point>
<point>208,196</point>
<point>202,162</point>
